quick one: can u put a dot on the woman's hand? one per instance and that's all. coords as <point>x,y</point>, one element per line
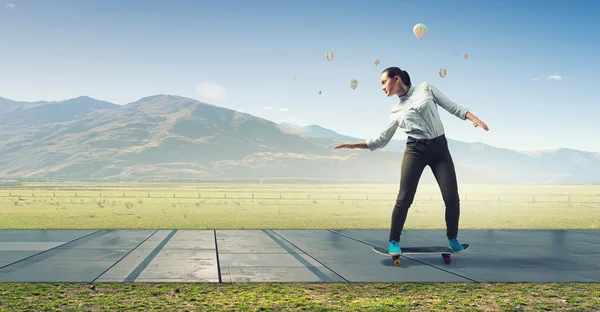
<point>476,121</point>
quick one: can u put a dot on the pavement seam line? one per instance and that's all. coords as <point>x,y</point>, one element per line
<point>50,249</point>
<point>313,269</point>
<point>142,266</point>
<point>127,254</point>
<point>218,262</point>
<point>427,264</point>
<point>321,263</point>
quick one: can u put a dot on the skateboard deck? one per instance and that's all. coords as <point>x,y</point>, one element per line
<point>445,251</point>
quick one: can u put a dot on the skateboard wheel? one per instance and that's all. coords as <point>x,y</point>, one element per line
<point>397,261</point>
<point>447,259</point>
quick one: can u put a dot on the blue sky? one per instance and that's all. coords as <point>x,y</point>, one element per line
<point>120,51</point>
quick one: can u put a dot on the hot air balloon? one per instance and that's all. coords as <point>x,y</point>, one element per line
<point>465,56</point>
<point>353,84</point>
<point>293,77</point>
<point>420,30</point>
<point>442,72</point>
<point>319,92</point>
<point>376,62</point>
<point>329,56</point>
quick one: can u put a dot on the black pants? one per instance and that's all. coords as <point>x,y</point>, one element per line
<point>435,154</point>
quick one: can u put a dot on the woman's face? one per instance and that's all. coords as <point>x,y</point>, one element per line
<point>390,86</point>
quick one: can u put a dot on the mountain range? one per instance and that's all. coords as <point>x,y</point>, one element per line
<point>173,138</point>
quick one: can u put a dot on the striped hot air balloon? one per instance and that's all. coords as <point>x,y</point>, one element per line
<point>442,72</point>
<point>329,56</point>
<point>420,30</point>
<point>353,84</point>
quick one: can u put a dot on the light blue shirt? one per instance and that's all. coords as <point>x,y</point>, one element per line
<point>417,115</point>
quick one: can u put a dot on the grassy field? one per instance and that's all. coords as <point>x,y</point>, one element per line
<point>301,297</point>
<point>239,206</point>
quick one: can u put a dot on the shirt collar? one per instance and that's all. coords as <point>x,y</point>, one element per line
<point>408,94</point>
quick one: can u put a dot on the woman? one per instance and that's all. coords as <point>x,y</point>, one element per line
<point>417,115</point>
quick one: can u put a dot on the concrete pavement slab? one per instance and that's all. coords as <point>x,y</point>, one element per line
<point>184,256</point>
<point>260,256</point>
<point>293,256</point>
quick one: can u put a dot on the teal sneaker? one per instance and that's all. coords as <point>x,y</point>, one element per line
<point>455,245</point>
<point>394,248</point>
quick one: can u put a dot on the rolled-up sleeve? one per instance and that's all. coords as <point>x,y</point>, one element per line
<point>385,136</point>
<point>447,104</point>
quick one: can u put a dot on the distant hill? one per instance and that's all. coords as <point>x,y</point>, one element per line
<point>37,113</point>
<point>170,137</point>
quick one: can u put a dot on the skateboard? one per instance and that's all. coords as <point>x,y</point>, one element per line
<point>445,251</point>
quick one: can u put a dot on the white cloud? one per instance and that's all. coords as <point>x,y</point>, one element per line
<point>270,108</point>
<point>10,5</point>
<point>211,90</point>
<point>241,110</point>
<point>551,77</point>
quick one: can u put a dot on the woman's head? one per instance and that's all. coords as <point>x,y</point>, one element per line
<point>395,81</point>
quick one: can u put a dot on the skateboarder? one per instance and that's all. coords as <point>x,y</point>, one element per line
<point>417,115</point>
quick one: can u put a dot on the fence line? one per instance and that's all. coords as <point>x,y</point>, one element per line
<point>170,191</point>
<point>319,196</point>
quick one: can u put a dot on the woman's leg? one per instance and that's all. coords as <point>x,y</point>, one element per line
<point>413,164</point>
<point>444,171</point>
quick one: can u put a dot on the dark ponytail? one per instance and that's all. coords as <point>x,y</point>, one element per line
<point>395,71</point>
<point>406,79</point>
